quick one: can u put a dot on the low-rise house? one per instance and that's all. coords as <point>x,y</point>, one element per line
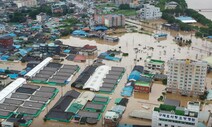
<point>2,28</point>
<point>172,26</point>
<point>132,3</point>
<point>193,106</point>
<point>2,7</point>
<point>142,87</point>
<point>154,66</point>
<point>6,41</point>
<point>41,17</point>
<point>88,50</point>
<point>4,80</point>
<point>59,7</point>
<point>171,5</point>
<point>144,84</point>
<point>186,19</point>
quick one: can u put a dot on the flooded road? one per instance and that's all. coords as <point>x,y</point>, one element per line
<point>12,65</point>
<point>163,50</point>
<point>128,42</point>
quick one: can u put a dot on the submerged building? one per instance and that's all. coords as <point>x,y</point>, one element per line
<point>6,41</point>
<point>154,66</point>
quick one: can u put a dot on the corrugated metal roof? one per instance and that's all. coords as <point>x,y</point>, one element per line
<point>11,87</point>
<point>38,67</point>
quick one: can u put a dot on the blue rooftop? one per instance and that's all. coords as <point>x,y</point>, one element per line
<point>79,33</point>
<point>66,51</point>
<point>17,46</point>
<point>100,28</point>
<point>4,57</point>
<point>13,76</point>
<point>134,75</point>
<point>184,18</point>
<point>2,70</point>
<point>1,25</point>
<point>209,37</point>
<point>10,34</point>
<point>36,27</point>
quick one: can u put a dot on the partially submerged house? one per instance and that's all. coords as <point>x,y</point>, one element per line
<point>88,50</point>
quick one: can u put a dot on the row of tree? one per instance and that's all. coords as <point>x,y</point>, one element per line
<point>20,16</point>
<point>181,9</point>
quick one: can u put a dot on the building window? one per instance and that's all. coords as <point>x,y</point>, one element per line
<point>159,124</point>
<point>166,125</point>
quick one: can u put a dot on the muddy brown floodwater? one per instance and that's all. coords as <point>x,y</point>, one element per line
<point>163,50</point>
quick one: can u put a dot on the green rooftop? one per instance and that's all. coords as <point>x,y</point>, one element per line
<point>174,109</point>
<point>153,61</point>
<point>164,107</point>
<point>140,83</point>
<point>149,75</point>
<point>74,108</point>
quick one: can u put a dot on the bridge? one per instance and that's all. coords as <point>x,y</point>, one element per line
<point>204,9</point>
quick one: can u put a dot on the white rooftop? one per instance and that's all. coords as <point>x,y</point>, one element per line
<point>11,87</point>
<point>96,80</point>
<point>37,68</point>
<point>186,19</point>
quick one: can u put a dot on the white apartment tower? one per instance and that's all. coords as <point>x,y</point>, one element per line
<point>149,12</point>
<point>186,76</point>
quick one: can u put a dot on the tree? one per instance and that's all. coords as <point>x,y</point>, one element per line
<point>204,96</point>
<point>164,81</point>
<point>17,17</point>
<point>46,9</point>
<point>124,6</point>
<point>33,13</point>
<point>65,32</point>
<point>23,61</point>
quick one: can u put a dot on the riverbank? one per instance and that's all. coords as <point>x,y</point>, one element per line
<point>201,4</point>
<point>182,10</point>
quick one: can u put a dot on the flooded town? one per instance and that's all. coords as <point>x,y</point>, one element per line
<point>105,63</point>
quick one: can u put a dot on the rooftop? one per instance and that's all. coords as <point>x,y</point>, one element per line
<point>153,61</point>
<point>172,102</point>
<point>186,19</point>
<point>5,37</point>
<point>175,110</point>
<point>140,83</point>
<point>194,103</point>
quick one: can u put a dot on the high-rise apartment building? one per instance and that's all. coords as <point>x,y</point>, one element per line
<point>186,76</point>
<point>110,20</point>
